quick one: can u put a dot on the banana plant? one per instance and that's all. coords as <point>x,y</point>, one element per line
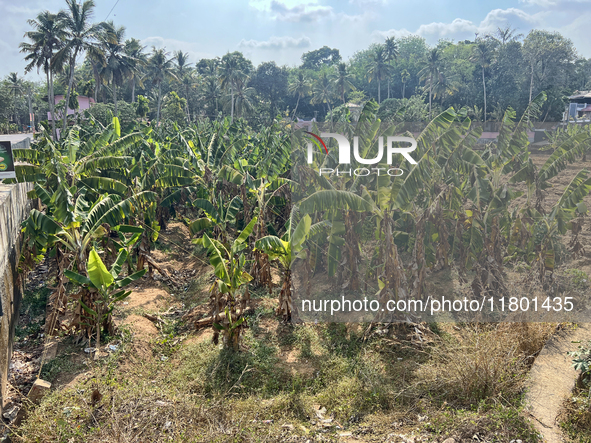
<point>286,250</point>
<point>219,219</point>
<point>230,287</point>
<point>67,230</point>
<point>108,287</point>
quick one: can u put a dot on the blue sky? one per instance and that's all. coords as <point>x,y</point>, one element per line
<point>282,30</point>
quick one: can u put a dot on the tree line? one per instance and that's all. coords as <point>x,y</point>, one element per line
<point>409,79</point>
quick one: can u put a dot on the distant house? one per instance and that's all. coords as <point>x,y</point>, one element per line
<point>578,106</point>
<point>84,103</point>
<point>585,113</point>
<point>301,124</point>
<point>355,110</point>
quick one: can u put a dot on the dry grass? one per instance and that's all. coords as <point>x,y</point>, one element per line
<point>483,361</point>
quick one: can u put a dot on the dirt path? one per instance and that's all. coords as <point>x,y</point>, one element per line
<point>552,378</point>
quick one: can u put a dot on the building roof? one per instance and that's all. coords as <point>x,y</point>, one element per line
<point>580,94</point>
<point>587,109</point>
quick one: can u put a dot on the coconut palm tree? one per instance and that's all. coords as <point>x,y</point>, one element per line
<point>244,98</point>
<point>181,61</point>
<point>299,87</point>
<point>119,65</point>
<point>430,73</point>
<point>230,73</point>
<point>185,76</point>
<point>482,57</point>
<point>443,87</point>
<point>391,49</point>
<point>342,81</point>
<point>379,69</point>
<point>188,81</point>
<point>46,38</point>
<point>160,67</point>
<point>211,92</point>
<point>81,36</point>
<point>404,76</point>
<point>97,59</point>
<point>323,92</point>
<point>15,84</point>
<point>135,50</point>
<point>506,34</point>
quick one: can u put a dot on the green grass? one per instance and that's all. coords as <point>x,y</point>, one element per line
<point>497,422</point>
<point>33,307</point>
<point>65,363</point>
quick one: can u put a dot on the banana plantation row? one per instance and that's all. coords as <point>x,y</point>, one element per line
<point>106,194</point>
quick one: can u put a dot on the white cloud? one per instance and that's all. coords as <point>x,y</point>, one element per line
<point>447,29</point>
<point>306,12</point>
<point>296,11</point>
<point>460,29</point>
<point>277,43</point>
<point>193,49</point>
<point>515,17</point>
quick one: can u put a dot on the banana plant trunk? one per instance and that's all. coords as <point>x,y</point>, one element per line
<point>285,297</point>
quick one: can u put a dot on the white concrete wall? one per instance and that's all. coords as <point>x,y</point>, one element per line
<point>14,208</point>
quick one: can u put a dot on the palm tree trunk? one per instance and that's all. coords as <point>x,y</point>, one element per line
<point>15,115</point>
<point>531,88</point>
<point>484,88</point>
<point>69,91</point>
<point>188,109</point>
<point>388,88</point>
<point>115,98</point>
<point>379,97</point>
<point>51,99</point>
<point>97,80</point>
<point>531,82</point>
<point>296,108</point>
<point>232,103</point>
<point>158,107</point>
<point>403,89</point>
<point>31,116</point>
<point>430,91</point>
<point>133,89</point>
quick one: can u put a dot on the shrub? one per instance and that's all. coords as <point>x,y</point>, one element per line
<point>103,112</point>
